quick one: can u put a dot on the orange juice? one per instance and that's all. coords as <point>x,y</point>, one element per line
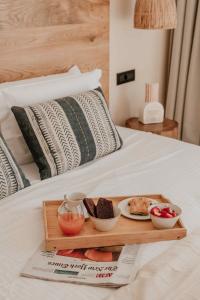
<point>71,223</point>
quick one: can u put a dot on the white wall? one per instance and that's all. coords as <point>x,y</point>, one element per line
<point>144,50</point>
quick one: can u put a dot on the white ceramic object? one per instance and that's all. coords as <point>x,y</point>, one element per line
<point>106,224</point>
<point>75,198</point>
<point>165,223</point>
<point>123,205</point>
<point>78,197</point>
<point>152,111</point>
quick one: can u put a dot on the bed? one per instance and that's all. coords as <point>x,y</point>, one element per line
<point>146,164</point>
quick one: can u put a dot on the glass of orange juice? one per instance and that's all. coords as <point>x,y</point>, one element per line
<point>71,215</point>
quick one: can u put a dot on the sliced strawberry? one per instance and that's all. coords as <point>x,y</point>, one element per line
<point>165,214</point>
<point>174,214</point>
<point>155,211</point>
<point>165,209</point>
<point>168,210</point>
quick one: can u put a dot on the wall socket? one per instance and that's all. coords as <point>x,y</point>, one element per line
<point>125,77</point>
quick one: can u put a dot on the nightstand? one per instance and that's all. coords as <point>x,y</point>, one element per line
<point>168,128</point>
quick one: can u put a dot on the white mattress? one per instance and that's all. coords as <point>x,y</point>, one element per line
<point>146,164</point>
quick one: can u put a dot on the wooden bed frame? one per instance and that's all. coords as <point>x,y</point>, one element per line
<point>48,36</point>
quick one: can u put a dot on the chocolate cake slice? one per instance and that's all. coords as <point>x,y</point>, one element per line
<point>90,206</point>
<point>104,209</point>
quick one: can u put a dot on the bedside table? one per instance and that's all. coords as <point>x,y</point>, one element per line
<point>168,128</point>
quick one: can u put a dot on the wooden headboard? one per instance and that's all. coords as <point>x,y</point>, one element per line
<point>40,37</point>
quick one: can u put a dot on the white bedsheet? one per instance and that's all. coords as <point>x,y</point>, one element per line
<point>146,164</point>
<point>173,275</point>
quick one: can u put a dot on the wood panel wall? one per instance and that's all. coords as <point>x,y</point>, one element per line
<point>40,37</point>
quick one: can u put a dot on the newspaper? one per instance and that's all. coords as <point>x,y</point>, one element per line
<point>108,266</point>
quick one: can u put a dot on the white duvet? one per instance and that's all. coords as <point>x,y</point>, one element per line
<point>146,164</point>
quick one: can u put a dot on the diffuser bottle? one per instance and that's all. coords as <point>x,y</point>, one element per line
<point>152,110</point>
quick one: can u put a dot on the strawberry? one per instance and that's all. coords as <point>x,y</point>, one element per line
<point>168,210</point>
<point>165,214</point>
<point>156,211</point>
<point>174,214</point>
<point>165,209</point>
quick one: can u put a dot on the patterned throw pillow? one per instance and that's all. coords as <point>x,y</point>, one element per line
<point>11,177</point>
<point>65,133</point>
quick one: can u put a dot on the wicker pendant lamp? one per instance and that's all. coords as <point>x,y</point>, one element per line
<point>155,14</point>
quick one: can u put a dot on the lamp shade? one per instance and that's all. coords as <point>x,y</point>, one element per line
<point>155,14</point>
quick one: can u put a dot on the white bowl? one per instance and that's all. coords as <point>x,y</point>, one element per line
<point>106,224</point>
<point>165,223</point>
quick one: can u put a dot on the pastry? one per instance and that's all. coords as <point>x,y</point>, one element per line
<point>104,209</point>
<point>139,206</point>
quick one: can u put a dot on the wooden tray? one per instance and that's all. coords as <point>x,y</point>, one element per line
<point>126,231</point>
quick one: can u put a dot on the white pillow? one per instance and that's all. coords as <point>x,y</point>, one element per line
<point>74,70</point>
<point>9,127</point>
<point>22,85</point>
<point>41,90</point>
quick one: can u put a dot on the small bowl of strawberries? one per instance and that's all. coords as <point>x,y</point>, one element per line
<point>164,215</point>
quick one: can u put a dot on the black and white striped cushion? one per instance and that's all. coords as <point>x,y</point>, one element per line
<point>11,177</point>
<point>65,133</point>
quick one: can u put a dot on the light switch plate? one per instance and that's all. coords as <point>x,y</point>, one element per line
<point>125,77</point>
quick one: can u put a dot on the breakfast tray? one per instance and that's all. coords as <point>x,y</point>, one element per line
<point>126,231</point>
